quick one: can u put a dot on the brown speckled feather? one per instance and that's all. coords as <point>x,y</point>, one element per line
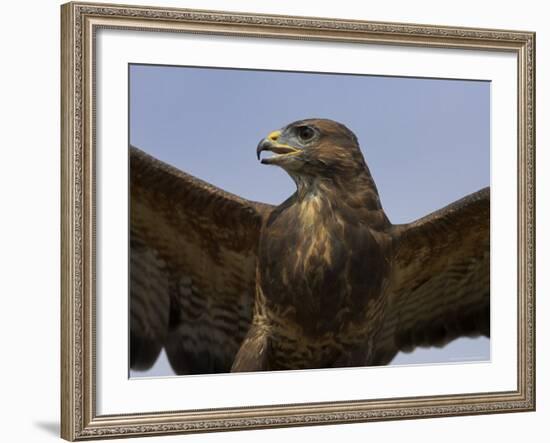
<point>440,282</point>
<point>192,274</point>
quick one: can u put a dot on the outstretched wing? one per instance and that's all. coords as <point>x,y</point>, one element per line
<point>192,268</point>
<point>440,285</point>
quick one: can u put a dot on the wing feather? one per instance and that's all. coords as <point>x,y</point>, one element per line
<point>192,268</point>
<point>441,279</point>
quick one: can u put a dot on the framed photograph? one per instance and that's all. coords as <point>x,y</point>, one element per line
<point>282,221</point>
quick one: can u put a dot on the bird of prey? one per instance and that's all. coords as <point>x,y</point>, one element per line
<point>323,280</point>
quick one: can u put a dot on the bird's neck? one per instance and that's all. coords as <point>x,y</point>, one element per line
<point>355,190</point>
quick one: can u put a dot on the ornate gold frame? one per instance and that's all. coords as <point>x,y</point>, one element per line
<point>79,22</point>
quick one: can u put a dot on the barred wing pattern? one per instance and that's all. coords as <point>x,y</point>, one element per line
<point>441,279</point>
<point>192,276</point>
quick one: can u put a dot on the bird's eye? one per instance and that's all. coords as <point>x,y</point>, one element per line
<point>305,133</point>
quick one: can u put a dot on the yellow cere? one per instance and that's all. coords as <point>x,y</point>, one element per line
<point>274,135</point>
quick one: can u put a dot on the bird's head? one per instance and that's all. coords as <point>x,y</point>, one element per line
<point>313,148</point>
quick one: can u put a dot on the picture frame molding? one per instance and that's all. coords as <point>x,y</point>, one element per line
<point>79,23</point>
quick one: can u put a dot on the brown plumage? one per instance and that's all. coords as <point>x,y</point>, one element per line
<point>322,280</point>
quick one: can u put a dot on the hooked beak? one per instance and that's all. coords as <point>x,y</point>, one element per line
<point>272,144</point>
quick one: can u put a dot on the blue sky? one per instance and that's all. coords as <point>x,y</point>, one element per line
<point>426,141</point>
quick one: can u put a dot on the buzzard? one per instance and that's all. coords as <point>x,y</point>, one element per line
<point>323,280</point>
